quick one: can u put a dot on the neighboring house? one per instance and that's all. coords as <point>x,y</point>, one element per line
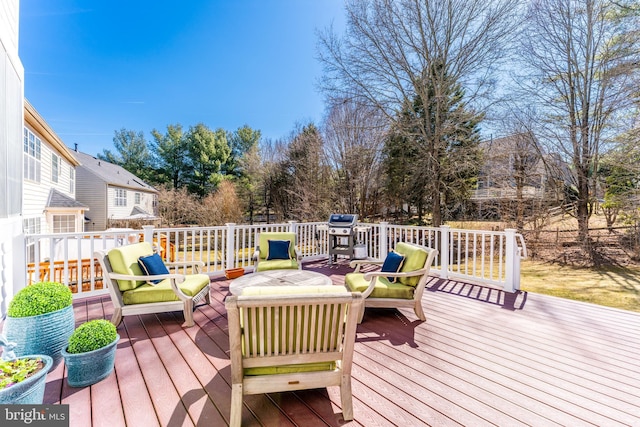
<point>12,261</point>
<point>505,158</point>
<point>49,174</point>
<point>112,193</point>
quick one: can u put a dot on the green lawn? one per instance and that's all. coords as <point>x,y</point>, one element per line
<point>617,287</point>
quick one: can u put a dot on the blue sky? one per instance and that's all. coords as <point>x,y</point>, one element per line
<point>93,67</point>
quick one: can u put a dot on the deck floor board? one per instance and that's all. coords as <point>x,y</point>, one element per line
<point>483,357</point>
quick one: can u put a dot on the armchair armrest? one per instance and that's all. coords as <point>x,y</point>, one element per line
<point>371,277</point>
<point>256,254</point>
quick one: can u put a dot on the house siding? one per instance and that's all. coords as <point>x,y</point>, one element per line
<point>93,193</point>
<point>120,212</point>
<point>97,183</point>
<point>12,257</point>
<point>36,194</point>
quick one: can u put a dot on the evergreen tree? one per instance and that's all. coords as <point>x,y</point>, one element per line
<point>132,153</point>
<point>170,152</point>
<point>208,151</point>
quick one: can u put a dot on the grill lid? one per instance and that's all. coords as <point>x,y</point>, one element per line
<point>342,220</point>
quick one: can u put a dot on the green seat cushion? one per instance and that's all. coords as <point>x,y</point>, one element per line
<point>415,257</point>
<point>124,260</point>
<point>277,264</point>
<point>382,289</point>
<point>162,292</point>
<point>263,243</point>
<point>291,369</point>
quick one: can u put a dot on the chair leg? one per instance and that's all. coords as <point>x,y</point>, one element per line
<point>236,405</point>
<point>116,318</point>
<point>345,398</point>
<point>419,311</point>
<point>361,314</point>
<point>188,313</point>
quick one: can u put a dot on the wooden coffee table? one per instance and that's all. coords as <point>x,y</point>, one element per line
<point>279,278</point>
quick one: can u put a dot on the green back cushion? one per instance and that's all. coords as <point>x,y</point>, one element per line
<point>263,242</point>
<point>162,292</point>
<point>382,289</point>
<point>291,290</point>
<point>415,257</point>
<point>124,260</point>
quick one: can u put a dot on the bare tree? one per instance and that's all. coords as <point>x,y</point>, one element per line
<point>581,56</point>
<point>413,52</point>
<point>354,137</point>
<point>221,206</point>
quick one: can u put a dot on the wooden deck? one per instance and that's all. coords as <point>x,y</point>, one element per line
<point>483,357</point>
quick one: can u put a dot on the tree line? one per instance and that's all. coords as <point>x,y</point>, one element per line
<point>412,89</point>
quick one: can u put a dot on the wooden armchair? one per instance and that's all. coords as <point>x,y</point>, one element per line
<point>291,338</point>
<point>408,287</point>
<point>132,292</point>
<point>266,257</point>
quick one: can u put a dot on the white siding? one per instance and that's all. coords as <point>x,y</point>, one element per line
<point>36,194</point>
<point>12,262</point>
<point>120,212</point>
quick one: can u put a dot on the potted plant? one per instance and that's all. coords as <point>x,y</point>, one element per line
<point>40,320</point>
<point>91,353</point>
<point>22,380</point>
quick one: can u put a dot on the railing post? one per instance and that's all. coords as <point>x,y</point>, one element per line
<point>148,233</point>
<point>512,261</point>
<point>293,227</point>
<point>445,233</point>
<point>383,247</point>
<point>231,244</point>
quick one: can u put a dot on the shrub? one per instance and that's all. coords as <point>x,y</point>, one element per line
<point>40,298</point>
<point>91,335</point>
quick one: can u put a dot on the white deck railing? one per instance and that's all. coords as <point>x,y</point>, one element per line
<point>484,257</point>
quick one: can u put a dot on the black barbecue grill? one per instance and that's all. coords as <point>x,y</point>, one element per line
<point>341,229</point>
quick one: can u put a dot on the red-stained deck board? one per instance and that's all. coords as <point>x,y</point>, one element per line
<point>483,357</point>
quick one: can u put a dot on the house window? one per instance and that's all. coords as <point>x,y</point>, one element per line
<point>64,223</point>
<point>55,167</point>
<point>138,196</point>
<point>121,197</point>
<point>31,149</point>
<point>31,226</point>
<point>72,180</point>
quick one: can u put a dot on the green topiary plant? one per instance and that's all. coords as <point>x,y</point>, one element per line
<point>40,298</point>
<point>91,335</point>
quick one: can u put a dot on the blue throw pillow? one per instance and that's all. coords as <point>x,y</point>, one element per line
<point>392,264</point>
<point>279,249</point>
<point>152,265</point>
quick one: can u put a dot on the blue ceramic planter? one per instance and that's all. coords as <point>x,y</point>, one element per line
<point>31,390</point>
<point>84,369</point>
<point>44,334</point>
